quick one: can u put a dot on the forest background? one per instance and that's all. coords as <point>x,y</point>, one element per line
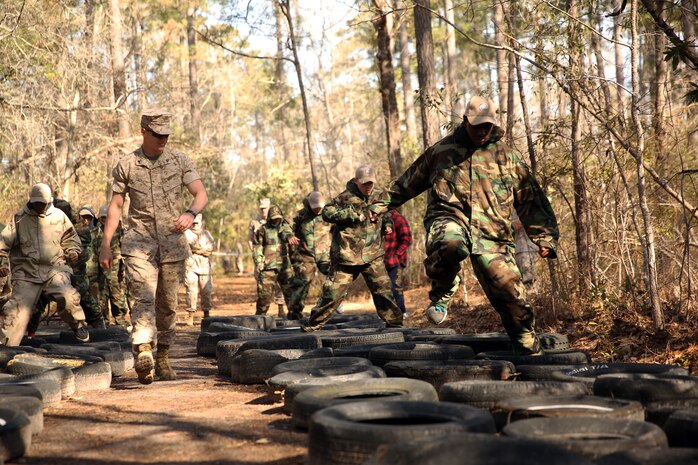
<point>275,98</point>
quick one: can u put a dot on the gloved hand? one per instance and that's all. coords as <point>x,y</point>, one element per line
<point>72,256</point>
<point>4,272</point>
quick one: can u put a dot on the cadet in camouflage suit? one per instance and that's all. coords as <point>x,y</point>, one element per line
<point>357,249</point>
<point>476,183</point>
<point>154,247</point>
<point>312,253</point>
<point>270,240</point>
<point>84,271</point>
<point>110,282</point>
<point>38,244</point>
<point>198,279</point>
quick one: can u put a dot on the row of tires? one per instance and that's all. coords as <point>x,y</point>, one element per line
<point>43,371</point>
<point>370,395</point>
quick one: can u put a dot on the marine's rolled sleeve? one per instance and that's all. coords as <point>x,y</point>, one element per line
<point>119,184</point>
<point>189,173</point>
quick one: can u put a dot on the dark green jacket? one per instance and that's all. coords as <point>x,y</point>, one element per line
<point>478,187</point>
<point>271,243</point>
<point>314,236</point>
<point>355,242</point>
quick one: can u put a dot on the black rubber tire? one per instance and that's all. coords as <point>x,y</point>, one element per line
<point>437,373</point>
<point>292,390</point>
<point>543,372</point>
<point>356,351</point>
<point>113,333</point>
<point>349,434</point>
<point>384,389</point>
<point>474,449</point>
<point>515,409</point>
<point>486,394</point>
<point>362,324</point>
<point>227,350</point>
<point>587,374</point>
<point>566,357</point>
<point>483,342</point>
<point>45,389</point>
<point>682,428</point>
<point>322,352</point>
<point>8,353</point>
<point>254,366</point>
<point>62,375</point>
<point>310,365</point>
<point>92,377</point>
<point>346,317</point>
<point>590,437</point>
<point>337,341</point>
<point>647,388</point>
<point>259,322</point>
<point>428,331</point>
<point>32,342</point>
<point>15,433</point>
<point>651,456</point>
<point>32,407</point>
<point>14,389</point>
<point>220,327</point>
<point>380,356</point>
<point>207,341</point>
<point>277,383</point>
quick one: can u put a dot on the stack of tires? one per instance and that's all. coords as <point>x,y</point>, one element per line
<point>44,370</point>
<point>372,395</point>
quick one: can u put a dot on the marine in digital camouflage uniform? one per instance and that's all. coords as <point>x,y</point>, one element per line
<point>476,183</point>
<point>198,280</point>
<point>110,282</point>
<point>312,253</point>
<point>270,241</point>
<point>153,246</point>
<point>38,244</point>
<point>357,249</point>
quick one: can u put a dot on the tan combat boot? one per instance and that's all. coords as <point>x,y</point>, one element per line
<point>144,363</point>
<point>163,370</point>
<point>190,319</point>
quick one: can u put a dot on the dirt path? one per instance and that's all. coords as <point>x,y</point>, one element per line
<point>200,418</point>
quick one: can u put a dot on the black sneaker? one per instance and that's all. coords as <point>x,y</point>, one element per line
<point>82,334</point>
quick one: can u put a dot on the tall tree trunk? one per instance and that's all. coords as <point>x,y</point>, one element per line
<point>619,55</point>
<point>384,60</point>
<point>502,66</point>
<point>426,72</point>
<point>280,82</point>
<point>118,71</point>
<point>90,44</point>
<point>659,90</point>
<point>406,71</point>
<point>194,110</point>
<point>511,108</point>
<point>286,10</point>
<point>138,64</point>
<point>585,256</point>
<point>456,101</point>
<point>647,241</point>
<point>526,119</point>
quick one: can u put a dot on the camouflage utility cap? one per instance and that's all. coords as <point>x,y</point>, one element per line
<point>315,200</point>
<point>481,110</point>
<point>85,211</point>
<point>158,121</point>
<point>275,212</point>
<point>103,211</point>
<point>364,174</point>
<point>40,193</point>
<point>264,203</point>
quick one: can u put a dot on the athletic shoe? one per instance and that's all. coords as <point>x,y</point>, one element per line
<point>437,313</point>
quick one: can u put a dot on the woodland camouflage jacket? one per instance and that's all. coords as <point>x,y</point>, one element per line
<point>478,187</point>
<point>270,244</point>
<point>314,235</point>
<point>355,242</point>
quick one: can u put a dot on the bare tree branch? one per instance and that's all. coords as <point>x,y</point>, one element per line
<point>237,52</point>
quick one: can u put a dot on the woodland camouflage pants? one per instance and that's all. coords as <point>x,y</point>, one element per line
<point>303,274</point>
<point>112,295</point>
<point>448,243</point>
<point>267,282</point>
<point>89,304</point>
<point>335,287</point>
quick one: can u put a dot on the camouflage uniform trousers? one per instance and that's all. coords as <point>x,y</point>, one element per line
<point>268,283</point>
<point>193,283</point>
<point>18,310</point>
<point>335,289</point>
<point>153,286</point>
<point>304,271</point>
<point>89,304</point>
<point>448,243</point>
<point>111,296</point>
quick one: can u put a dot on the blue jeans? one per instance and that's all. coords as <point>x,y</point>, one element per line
<point>396,275</point>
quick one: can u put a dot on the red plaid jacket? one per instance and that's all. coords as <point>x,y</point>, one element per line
<point>398,242</point>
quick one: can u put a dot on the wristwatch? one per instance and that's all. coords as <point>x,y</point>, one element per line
<point>191,212</point>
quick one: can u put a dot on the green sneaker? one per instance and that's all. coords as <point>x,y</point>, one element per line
<point>436,313</point>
